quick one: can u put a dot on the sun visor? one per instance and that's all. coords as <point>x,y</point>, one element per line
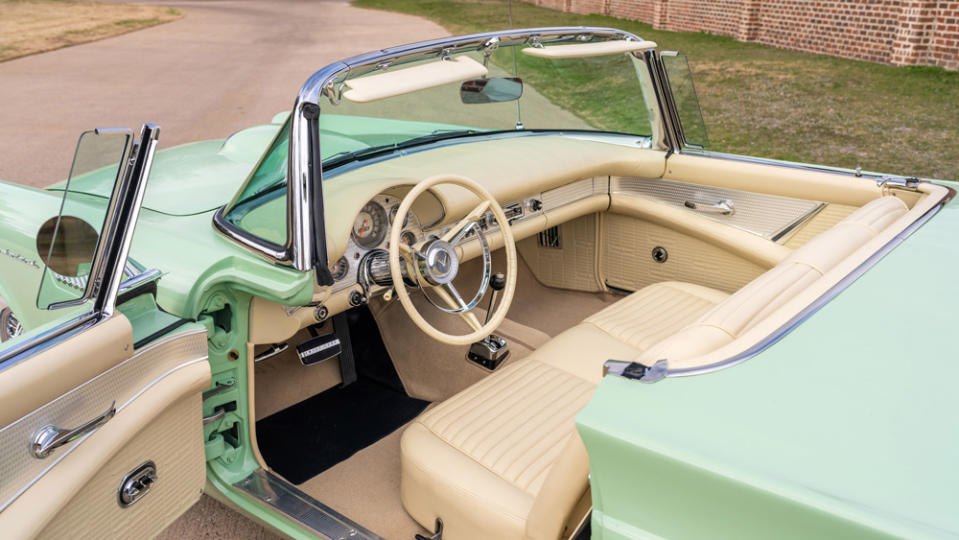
<point>411,79</point>
<point>597,48</point>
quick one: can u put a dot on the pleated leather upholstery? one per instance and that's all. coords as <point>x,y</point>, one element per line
<point>513,424</point>
<point>655,312</point>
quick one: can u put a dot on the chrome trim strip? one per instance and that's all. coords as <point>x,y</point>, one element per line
<point>136,281</point>
<point>812,308</point>
<point>275,493</point>
<point>35,344</point>
<point>15,454</point>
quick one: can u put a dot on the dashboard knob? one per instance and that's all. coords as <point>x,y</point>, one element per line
<point>497,281</point>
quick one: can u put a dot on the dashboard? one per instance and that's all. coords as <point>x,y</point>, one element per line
<point>371,231</point>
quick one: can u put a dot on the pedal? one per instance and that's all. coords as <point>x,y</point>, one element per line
<point>318,349</point>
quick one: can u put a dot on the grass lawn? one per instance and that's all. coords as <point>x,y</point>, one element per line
<point>770,102</point>
<point>33,26</point>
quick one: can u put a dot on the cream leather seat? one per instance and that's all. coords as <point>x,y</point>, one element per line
<point>502,458</point>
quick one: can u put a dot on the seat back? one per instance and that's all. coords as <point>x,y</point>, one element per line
<point>759,298</point>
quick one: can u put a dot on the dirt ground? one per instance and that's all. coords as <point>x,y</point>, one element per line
<point>33,26</point>
<point>226,65</point>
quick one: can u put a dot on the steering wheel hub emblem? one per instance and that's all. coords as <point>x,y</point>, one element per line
<point>439,263</point>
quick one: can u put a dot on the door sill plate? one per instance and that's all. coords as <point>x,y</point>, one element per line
<point>287,499</point>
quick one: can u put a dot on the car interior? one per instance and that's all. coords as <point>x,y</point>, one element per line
<point>690,262</point>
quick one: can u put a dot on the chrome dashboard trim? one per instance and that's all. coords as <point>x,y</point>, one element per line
<point>824,299</point>
<point>19,469</point>
<point>767,216</point>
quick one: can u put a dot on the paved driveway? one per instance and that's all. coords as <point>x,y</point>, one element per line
<point>225,66</point>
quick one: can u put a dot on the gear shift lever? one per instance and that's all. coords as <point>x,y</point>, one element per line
<point>496,282</point>
<point>491,352</point>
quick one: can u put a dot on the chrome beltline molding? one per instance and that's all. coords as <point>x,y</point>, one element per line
<point>812,308</point>
<point>19,469</point>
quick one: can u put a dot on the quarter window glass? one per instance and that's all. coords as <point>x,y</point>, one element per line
<point>260,208</point>
<point>687,103</point>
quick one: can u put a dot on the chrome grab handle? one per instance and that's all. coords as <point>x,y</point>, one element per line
<point>723,206</point>
<point>49,438</point>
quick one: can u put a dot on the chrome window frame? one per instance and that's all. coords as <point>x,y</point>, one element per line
<point>305,248</point>
<point>110,260</point>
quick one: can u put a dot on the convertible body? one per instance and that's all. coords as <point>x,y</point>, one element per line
<point>664,341</point>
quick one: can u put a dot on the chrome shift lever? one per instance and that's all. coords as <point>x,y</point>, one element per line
<point>490,352</point>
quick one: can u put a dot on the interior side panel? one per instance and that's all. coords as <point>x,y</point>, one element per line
<point>172,441</point>
<point>569,260</point>
<point>629,264</point>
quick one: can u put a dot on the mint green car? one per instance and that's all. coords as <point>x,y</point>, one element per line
<point>487,286</point>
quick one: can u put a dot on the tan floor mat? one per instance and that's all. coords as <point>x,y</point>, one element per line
<point>366,488</point>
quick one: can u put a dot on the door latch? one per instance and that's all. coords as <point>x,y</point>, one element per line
<point>137,483</point>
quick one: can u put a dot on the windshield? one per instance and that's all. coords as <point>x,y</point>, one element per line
<point>359,121</point>
<point>599,93</point>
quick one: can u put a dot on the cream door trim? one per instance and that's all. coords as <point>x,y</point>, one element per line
<point>769,216</point>
<point>122,384</point>
<point>753,248</point>
<point>31,512</point>
<point>28,385</point>
<point>772,179</point>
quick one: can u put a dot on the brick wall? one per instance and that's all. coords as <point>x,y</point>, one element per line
<point>898,32</point>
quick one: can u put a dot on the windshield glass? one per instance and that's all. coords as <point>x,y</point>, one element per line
<point>599,93</point>
<point>596,96</point>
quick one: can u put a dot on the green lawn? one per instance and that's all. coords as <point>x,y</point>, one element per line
<point>770,102</point>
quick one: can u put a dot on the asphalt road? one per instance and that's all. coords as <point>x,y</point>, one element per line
<point>226,65</point>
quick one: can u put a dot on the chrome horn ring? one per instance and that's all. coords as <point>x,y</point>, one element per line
<point>431,267</point>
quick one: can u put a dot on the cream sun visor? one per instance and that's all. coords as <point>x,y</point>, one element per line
<point>581,50</point>
<point>411,79</point>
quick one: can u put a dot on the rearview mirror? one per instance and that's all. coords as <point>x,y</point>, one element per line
<point>493,90</point>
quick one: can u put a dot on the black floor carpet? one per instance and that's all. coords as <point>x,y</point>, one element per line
<point>308,438</point>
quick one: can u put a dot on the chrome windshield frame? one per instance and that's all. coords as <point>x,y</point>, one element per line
<point>305,249</point>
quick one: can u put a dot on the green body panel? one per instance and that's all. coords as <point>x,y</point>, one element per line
<point>846,427</point>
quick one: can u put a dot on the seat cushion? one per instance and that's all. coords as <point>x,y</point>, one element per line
<point>479,459</point>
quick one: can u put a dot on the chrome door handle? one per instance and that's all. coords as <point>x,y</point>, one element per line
<point>723,206</point>
<point>49,438</point>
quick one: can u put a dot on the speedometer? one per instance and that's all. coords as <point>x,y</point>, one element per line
<point>369,228</point>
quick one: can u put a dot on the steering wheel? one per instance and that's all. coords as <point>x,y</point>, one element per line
<point>433,263</point>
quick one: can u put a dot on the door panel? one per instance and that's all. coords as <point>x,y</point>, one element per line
<point>156,392</point>
<point>30,384</point>
<point>629,263</point>
<point>172,441</point>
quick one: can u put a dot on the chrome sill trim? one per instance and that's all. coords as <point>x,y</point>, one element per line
<point>272,491</point>
<point>812,308</point>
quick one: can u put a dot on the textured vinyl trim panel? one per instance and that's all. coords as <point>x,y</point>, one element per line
<point>123,383</point>
<point>574,191</point>
<point>769,216</point>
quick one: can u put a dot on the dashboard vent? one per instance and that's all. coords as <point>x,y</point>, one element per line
<point>550,238</point>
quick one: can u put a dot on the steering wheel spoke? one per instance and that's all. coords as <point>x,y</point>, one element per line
<point>459,229</point>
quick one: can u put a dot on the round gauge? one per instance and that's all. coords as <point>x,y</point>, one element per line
<point>339,269</point>
<point>393,212</point>
<point>369,228</point>
<point>408,238</point>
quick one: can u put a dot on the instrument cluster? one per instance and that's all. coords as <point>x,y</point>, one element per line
<point>371,230</point>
